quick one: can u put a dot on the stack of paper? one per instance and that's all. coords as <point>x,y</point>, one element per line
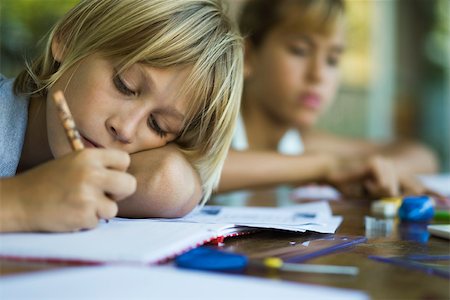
<point>120,282</point>
<point>439,183</point>
<point>149,241</point>
<point>316,216</point>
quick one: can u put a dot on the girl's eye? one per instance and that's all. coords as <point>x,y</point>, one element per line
<point>122,87</point>
<point>153,124</point>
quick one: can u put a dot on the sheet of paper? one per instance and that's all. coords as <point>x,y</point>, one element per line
<point>153,240</point>
<point>315,192</point>
<point>137,241</point>
<point>439,183</point>
<point>314,216</point>
<point>121,282</point>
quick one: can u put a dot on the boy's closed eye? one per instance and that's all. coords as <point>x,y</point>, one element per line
<point>299,50</point>
<point>333,61</point>
<point>153,124</point>
<point>122,87</point>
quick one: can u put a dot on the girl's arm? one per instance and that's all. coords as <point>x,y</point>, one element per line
<point>249,169</point>
<point>167,185</point>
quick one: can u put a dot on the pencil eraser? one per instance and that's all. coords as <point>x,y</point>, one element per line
<point>387,207</point>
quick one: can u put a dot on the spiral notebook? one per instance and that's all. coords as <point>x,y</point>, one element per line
<point>147,241</point>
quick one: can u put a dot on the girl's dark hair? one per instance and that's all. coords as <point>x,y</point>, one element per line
<point>258,17</point>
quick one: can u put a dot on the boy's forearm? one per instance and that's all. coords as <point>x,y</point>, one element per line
<point>408,156</point>
<point>412,158</point>
<point>249,169</point>
<point>167,185</point>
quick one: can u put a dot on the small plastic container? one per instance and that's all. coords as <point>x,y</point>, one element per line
<point>416,209</point>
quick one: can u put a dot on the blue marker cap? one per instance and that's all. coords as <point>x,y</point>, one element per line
<point>416,209</point>
<point>205,258</point>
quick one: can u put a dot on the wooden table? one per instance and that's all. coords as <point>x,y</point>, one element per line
<point>379,280</point>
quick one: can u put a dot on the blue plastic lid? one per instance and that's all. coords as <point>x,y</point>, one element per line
<point>416,209</point>
<point>206,258</point>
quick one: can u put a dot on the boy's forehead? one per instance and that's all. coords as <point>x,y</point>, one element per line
<point>299,28</point>
<point>315,20</point>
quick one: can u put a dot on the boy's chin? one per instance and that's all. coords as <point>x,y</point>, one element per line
<point>60,150</point>
<point>306,122</point>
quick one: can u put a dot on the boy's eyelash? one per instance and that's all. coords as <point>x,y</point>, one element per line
<point>122,87</point>
<point>333,61</point>
<point>153,124</point>
<point>298,51</point>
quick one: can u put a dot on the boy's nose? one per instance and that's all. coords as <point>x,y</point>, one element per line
<point>315,70</point>
<point>123,128</point>
<point>119,134</point>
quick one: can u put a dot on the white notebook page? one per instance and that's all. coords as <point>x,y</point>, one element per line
<point>137,241</point>
<point>119,282</point>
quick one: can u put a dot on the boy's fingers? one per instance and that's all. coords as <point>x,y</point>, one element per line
<point>350,175</point>
<point>376,190</point>
<point>410,188</point>
<point>118,184</point>
<point>114,159</point>
<point>106,208</point>
<point>372,188</point>
<point>351,190</point>
<point>385,177</point>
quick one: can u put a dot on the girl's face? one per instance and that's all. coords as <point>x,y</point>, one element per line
<point>133,111</point>
<point>294,73</point>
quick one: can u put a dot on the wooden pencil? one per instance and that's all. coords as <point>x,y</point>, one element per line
<point>67,121</point>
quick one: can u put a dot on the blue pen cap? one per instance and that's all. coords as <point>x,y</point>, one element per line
<point>416,209</point>
<point>206,258</point>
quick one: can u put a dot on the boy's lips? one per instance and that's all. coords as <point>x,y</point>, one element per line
<point>89,143</point>
<point>310,100</point>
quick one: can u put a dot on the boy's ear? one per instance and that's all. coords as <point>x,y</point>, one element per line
<point>248,59</point>
<point>57,49</point>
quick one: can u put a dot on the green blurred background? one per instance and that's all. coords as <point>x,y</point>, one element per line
<point>396,71</point>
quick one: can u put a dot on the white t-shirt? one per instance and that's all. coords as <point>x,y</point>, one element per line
<point>290,144</point>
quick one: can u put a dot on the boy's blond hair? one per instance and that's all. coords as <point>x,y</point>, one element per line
<point>161,34</point>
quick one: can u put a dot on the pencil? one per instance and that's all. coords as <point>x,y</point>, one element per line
<point>67,121</point>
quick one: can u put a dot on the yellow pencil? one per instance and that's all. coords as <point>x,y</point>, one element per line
<point>67,121</point>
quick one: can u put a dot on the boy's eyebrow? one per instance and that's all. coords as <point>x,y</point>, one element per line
<point>147,78</point>
<point>173,112</point>
<point>148,81</point>
<point>338,48</point>
<point>335,48</point>
<point>303,38</point>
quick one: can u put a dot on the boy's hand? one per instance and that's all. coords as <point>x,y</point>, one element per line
<point>375,177</point>
<point>73,192</point>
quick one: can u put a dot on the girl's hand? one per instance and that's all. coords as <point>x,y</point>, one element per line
<point>70,193</point>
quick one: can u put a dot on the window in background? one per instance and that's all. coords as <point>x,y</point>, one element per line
<point>23,24</point>
<point>396,74</point>
<point>423,96</point>
<point>368,69</point>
